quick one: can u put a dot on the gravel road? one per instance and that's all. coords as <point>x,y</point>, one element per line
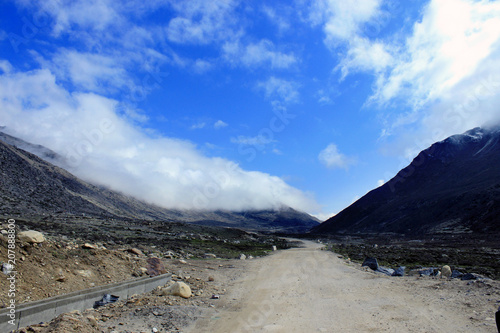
<point>311,290</point>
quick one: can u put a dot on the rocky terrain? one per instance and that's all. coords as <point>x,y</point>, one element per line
<point>33,187</point>
<point>451,188</point>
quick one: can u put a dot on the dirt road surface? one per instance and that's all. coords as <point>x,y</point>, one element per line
<point>310,290</point>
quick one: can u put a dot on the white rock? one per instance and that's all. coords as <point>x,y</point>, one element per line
<point>242,256</point>
<point>31,236</point>
<point>446,271</point>
<point>84,272</point>
<point>177,289</point>
<point>275,248</point>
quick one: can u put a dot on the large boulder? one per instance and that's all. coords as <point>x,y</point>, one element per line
<point>446,271</point>
<point>371,262</point>
<point>155,267</point>
<point>400,271</point>
<point>31,236</point>
<point>177,289</point>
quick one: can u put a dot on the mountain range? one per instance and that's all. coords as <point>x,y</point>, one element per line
<point>32,186</point>
<point>453,187</point>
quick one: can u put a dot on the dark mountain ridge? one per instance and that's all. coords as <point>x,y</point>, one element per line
<point>451,187</point>
<point>31,186</point>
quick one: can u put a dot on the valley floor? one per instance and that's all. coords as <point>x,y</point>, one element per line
<point>303,289</point>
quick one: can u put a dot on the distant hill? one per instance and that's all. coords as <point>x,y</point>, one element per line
<point>31,186</point>
<point>453,187</point>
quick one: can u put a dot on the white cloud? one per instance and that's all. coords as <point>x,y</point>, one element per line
<point>87,71</point>
<point>257,54</point>
<point>259,140</point>
<point>324,216</point>
<point>219,124</point>
<point>343,23</point>
<point>277,151</point>
<point>332,158</point>
<point>281,89</point>
<point>343,20</point>
<point>106,149</point>
<point>276,18</point>
<point>198,125</point>
<point>80,14</point>
<point>446,47</point>
<point>202,22</point>
<point>446,73</point>
<point>5,66</point>
<point>202,66</point>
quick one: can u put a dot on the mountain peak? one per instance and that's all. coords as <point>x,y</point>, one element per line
<point>454,185</point>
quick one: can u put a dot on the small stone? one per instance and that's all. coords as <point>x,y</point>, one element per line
<point>242,256</point>
<point>92,320</point>
<point>84,272</point>
<point>210,256</point>
<point>183,261</point>
<point>89,246</point>
<point>136,252</point>
<point>211,278</point>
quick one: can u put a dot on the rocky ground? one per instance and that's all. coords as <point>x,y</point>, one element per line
<point>77,256</point>
<point>153,312</point>
<point>464,253</point>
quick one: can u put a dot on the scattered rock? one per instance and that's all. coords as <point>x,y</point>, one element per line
<point>446,271</point>
<point>210,256</point>
<point>89,246</point>
<point>169,255</point>
<point>92,320</point>
<point>136,252</point>
<point>182,261</point>
<point>211,278</point>
<point>456,274</point>
<point>7,268</point>
<point>242,256</point>
<point>429,272</point>
<point>143,271</point>
<point>84,272</point>
<point>469,276</point>
<point>177,289</point>
<point>385,270</point>
<point>155,267</point>
<point>400,271</point>
<point>31,236</point>
<point>371,262</point>
<point>60,277</point>
<point>275,248</point>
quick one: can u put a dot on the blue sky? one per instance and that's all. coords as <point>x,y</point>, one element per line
<point>246,104</point>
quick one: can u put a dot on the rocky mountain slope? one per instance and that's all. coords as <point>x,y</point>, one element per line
<point>453,187</point>
<point>32,186</point>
